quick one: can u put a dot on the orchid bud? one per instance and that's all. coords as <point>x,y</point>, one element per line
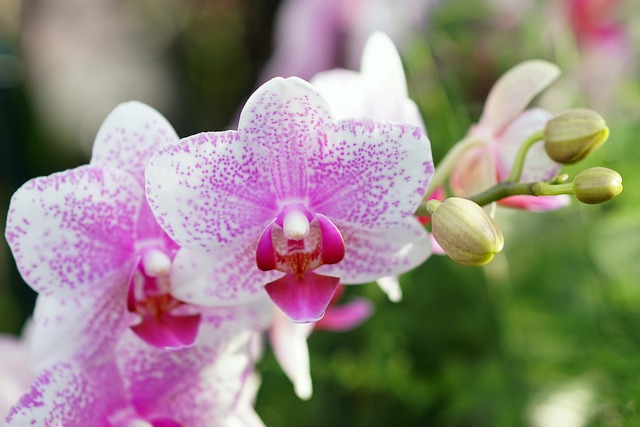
<point>467,234</point>
<point>574,134</point>
<point>597,185</point>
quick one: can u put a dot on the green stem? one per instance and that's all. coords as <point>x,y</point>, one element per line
<point>445,167</point>
<point>506,189</point>
<point>518,162</point>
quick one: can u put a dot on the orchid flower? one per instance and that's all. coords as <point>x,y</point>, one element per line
<point>87,238</point>
<point>503,126</point>
<point>292,202</point>
<point>139,385</point>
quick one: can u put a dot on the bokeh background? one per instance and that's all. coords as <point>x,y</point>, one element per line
<point>546,335</point>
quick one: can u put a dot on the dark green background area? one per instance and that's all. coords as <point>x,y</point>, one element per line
<point>558,310</point>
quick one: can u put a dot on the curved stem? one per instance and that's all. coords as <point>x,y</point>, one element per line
<point>445,166</point>
<point>506,189</point>
<point>518,162</point>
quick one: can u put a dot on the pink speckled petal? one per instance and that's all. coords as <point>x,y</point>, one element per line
<point>332,245</point>
<point>513,91</point>
<point>65,395</point>
<point>83,328</point>
<point>372,254</point>
<point>537,166</point>
<point>168,331</point>
<point>72,230</point>
<point>289,343</point>
<point>367,173</point>
<point>537,204</point>
<point>129,136</point>
<point>344,317</point>
<point>14,371</point>
<point>199,386</point>
<point>279,117</point>
<point>219,278</point>
<point>211,191</point>
<point>302,297</point>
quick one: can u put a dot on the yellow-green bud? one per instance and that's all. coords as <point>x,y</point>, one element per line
<point>597,185</point>
<point>574,134</point>
<point>465,231</point>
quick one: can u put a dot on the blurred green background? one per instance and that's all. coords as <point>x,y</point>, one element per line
<point>546,335</point>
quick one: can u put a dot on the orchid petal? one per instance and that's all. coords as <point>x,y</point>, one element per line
<point>14,372</point>
<point>211,191</point>
<point>167,331</point>
<point>372,254</point>
<point>537,203</point>
<point>279,117</point>
<point>72,230</point>
<point>381,63</point>
<point>129,136</point>
<point>218,279</point>
<point>390,285</point>
<point>289,343</point>
<point>302,297</point>
<point>513,91</point>
<point>344,317</point>
<point>475,172</point>
<point>345,92</point>
<point>83,329</point>
<point>66,395</point>
<point>333,249</point>
<point>537,166</point>
<point>367,173</point>
<point>215,368</point>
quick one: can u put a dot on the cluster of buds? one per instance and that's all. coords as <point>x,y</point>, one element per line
<point>468,234</point>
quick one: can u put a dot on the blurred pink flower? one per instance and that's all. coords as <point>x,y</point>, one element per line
<point>316,35</point>
<point>322,201</point>
<point>136,384</point>
<point>504,125</point>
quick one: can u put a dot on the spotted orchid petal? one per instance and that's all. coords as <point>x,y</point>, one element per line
<point>280,116</point>
<point>77,328</point>
<point>73,231</point>
<point>373,254</point>
<point>220,279</point>
<point>67,395</point>
<point>129,136</point>
<point>210,191</point>
<point>537,166</point>
<point>16,377</point>
<point>302,297</point>
<point>344,317</point>
<point>512,93</point>
<point>367,173</point>
<point>215,368</point>
<point>289,343</point>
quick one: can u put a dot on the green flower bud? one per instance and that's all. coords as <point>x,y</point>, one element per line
<point>597,185</point>
<point>574,134</point>
<point>465,231</point>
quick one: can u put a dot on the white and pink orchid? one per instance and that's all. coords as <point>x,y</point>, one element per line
<point>504,125</point>
<point>134,384</point>
<point>86,238</point>
<point>293,202</point>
